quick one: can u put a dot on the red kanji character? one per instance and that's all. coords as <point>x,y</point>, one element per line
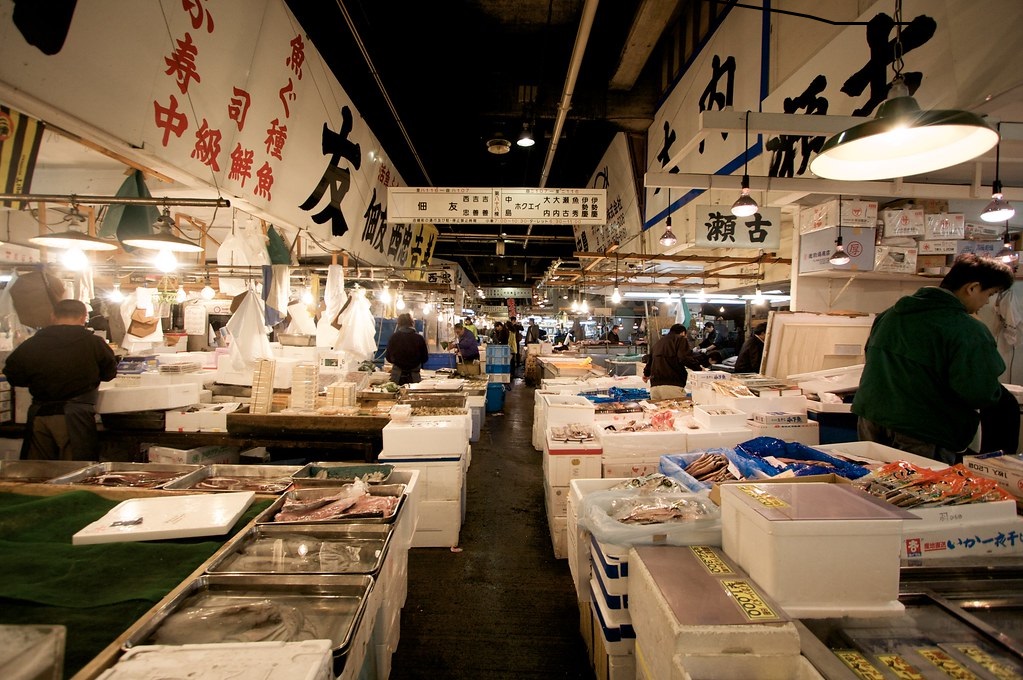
<point>238,107</point>
<point>297,57</point>
<point>197,13</point>
<point>181,63</point>
<point>266,181</point>
<point>170,119</point>
<point>276,135</point>
<point>241,164</point>
<point>287,93</point>
<point>207,145</point>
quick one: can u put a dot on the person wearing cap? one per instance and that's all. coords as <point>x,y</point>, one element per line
<point>407,352</point>
<point>667,364</point>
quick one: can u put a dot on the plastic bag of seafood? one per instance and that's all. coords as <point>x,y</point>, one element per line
<point>628,517</point>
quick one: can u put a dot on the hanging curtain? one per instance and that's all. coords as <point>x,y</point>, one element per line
<point>276,292</point>
<point>125,221</point>
<point>334,299</point>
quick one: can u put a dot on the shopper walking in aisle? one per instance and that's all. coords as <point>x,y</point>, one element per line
<point>514,338</point>
<point>62,366</point>
<point>532,332</point>
<point>752,351</point>
<point>667,363</point>
<point>407,352</point>
<point>930,365</point>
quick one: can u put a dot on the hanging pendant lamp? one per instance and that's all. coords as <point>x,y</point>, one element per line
<point>163,238</point>
<point>73,239</point>
<point>839,257</point>
<point>668,237</point>
<point>999,209</point>
<point>616,295</point>
<point>745,205</point>
<point>1007,254</point>
<point>902,139</point>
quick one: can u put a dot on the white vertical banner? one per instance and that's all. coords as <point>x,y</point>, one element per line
<point>615,174</point>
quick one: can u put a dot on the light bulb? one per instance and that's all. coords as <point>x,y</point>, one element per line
<point>584,307</point>
<point>207,292</point>
<point>616,296</point>
<point>74,259</point>
<point>427,308</point>
<point>116,295</point>
<point>400,302</point>
<point>575,305</point>
<point>385,294</point>
<point>165,261</point>
<point>307,297</point>
<point>181,295</point>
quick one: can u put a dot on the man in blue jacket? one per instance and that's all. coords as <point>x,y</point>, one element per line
<point>931,364</point>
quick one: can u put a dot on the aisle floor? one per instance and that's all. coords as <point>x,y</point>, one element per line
<point>503,606</point>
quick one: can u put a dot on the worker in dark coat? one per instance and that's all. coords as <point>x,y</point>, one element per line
<point>62,366</point>
<point>407,352</point>
<point>752,351</point>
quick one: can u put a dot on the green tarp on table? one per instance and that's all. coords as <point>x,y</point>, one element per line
<point>96,591</point>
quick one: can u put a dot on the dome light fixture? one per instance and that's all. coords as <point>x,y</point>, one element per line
<point>745,205</point>
<point>498,146</point>
<point>902,139</point>
<point>526,137</point>
<point>73,239</point>
<point>163,239</point>
<point>999,209</point>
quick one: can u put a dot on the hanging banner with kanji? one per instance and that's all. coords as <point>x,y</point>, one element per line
<point>452,205</point>
<point>20,136</point>
<point>717,227</point>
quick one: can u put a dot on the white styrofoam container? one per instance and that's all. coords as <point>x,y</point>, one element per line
<point>227,374</point>
<point>559,470</point>
<point>578,538</point>
<point>701,438</point>
<point>615,591</point>
<point>787,556</point>
<point>465,420</point>
<point>557,500</point>
<point>629,467</point>
<point>751,405</point>
<point>145,398</point>
<point>565,409</point>
<point>618,635</point>
<point>963,530</point>
<point>612,559</point>
<point>719,417</point>
<point>306,660</point>
<point>439,479</point>
<point>805,433</point>
<point>439,524</point>
<point>199,418</point>
<point>201,455</point>
<point>872,451</point>
<point>425,438</point>
<point>642,444</point>
<point>737,666</point>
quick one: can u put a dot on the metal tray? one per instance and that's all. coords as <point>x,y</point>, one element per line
<point>306,549</point>
<point>37,471</point>
<point>78,476</point>
<point>267,516</point>
<point>338,473</point>
<point>289,608</point>
<point>253,474</point>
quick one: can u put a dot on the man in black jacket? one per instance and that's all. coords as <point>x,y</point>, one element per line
<point>407,352</point>
<point>752,351</point>
<point>667,363</point>
<point>62,366</point>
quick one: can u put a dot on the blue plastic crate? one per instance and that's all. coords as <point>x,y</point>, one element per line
<point>498,351</point>
<point>440,360</point>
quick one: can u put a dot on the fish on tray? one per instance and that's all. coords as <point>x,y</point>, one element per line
<point>258,485</point>
<point>345,504</point>
<point>133,479</point>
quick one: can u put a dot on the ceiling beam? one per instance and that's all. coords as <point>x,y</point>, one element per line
<point>651,20</point>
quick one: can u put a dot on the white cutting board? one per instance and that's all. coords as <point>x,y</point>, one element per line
<point>152,519</point>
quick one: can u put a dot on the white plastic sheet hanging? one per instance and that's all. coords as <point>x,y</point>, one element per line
<point>13,331</point>
<point>248,333</point>
<point>334,298</point>
<point>358,328</point>
<point>1009,332</point>
<point>243,247</point>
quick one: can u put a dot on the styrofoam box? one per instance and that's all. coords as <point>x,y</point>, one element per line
<point>439,479</point>
<point>629,467</point>
<point>737,666</point>
<point>559,470</point>
<point>405,524</point>
<point>227,374</point>
<point>578,538</point>
<point>751,405</point>
<point>700,438</point>
<point>464,419</point>
<point>614,589</point>
<point>642,444</point>
<point>306,660</point>
<point>612,559</point>
<point>872,451</point>
<point>425,438</point>
<point>439,524</point>
<point>565,409</point>
<point>719,418</point>
<point>806,433</point>
<point>618,636</point>
<point>153,397</point>
<point>854,214</point>
<point>787,557</point>
<point>966,537</point>
<point>557,500</point>
<point>202,455</point>
<point>199,418</point>
<point>559,536</point>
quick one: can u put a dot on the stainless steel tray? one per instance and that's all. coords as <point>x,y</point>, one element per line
<point>247,478</point>
<point>267,516</point>
<point>37,471</point>
<point>260,607</point>
<point>339,473</point>
<point>79,476</point>
<point>306,549</point>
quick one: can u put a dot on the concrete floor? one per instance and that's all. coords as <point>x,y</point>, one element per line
<point>503,607</point>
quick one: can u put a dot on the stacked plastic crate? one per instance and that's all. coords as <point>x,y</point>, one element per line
<point>499,363</point>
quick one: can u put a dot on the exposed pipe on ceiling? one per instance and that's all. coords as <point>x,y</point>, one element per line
<point>582,36</point>
<point>124,200</point>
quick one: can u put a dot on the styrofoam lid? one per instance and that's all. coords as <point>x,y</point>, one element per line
<point>782,501</point>
<point>305,660</point>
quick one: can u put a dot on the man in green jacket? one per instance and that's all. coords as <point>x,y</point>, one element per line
<point>931,364</point>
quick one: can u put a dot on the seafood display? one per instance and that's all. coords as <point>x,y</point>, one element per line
<point>711,467</point>
<point>226,619</point>
<point>141,480</point>
<point>292,553</point>
<point>573,432</point>
<point>655,482</point>
<point>909,486</point>
<point>662,421</point>
<point>352,501</point>
<point>438,411</point>
<point>654,509</point>
<point>257,484</point>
